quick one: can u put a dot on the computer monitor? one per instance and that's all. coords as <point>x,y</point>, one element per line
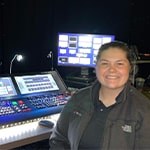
<point>80,50</point>
<point>39,82</point>
<point>7,88</point>
<point>36,83</point>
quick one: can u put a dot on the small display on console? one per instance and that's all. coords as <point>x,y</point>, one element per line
<point>6,87</point>
<point>36,83</point>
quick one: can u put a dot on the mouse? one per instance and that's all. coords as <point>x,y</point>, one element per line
<point>46,123</point>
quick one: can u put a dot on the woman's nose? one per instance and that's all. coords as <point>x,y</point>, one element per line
<point>112,68</point>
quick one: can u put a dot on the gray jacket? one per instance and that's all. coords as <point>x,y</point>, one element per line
<point>127,126</point>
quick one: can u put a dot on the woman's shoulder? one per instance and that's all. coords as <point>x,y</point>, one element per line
<point>80,98</point>
<point>83,91</point>
<point>139,99</point>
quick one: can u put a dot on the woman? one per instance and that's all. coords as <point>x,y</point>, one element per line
<point>109,115</point>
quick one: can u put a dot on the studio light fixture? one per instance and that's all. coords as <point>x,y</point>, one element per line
<point>18,57</point>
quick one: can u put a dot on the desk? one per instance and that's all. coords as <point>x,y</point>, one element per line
<point>24,134</point>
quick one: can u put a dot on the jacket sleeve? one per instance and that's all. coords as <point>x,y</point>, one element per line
<point>143,138</point>
<point>59,138</point>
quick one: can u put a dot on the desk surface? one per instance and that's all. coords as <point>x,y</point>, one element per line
<point>24,134</point>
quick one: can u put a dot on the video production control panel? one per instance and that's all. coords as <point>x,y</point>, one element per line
<point>27,97</point>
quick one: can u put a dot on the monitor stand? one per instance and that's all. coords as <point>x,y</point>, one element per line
<point>86,75</point>
<point>85,72</point>
<point>84,78</point>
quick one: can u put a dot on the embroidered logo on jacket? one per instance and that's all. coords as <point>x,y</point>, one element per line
<point>77,113</point>
<point>127,128</point>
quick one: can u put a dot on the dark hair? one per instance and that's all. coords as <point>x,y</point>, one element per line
<point>115,44</point>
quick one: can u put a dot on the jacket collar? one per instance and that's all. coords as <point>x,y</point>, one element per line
<point>120,98</point>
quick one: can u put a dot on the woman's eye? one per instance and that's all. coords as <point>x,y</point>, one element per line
<point>120,64</point>
<point>104,63</point>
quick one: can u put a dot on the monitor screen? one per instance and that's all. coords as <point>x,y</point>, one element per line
<point>80,50</point>
<point>7,87</point>
<point>35,83</point>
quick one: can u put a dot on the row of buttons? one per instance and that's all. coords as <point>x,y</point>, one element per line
<point>47,100</point>
<point>11,107</point>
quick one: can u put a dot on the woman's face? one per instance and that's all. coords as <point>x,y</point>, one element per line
<point>113,68</point>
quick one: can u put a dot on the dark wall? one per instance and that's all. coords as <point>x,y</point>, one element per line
<point>30,27</point>
<point>27,29</point>
<point>140,23</point>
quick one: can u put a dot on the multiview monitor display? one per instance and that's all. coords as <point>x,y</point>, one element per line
<point>7,88</point>
<point>80,50</point>
<point>36,83</point>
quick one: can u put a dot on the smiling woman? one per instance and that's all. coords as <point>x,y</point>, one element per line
<point>112,70</point>
<point>111,106</point>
